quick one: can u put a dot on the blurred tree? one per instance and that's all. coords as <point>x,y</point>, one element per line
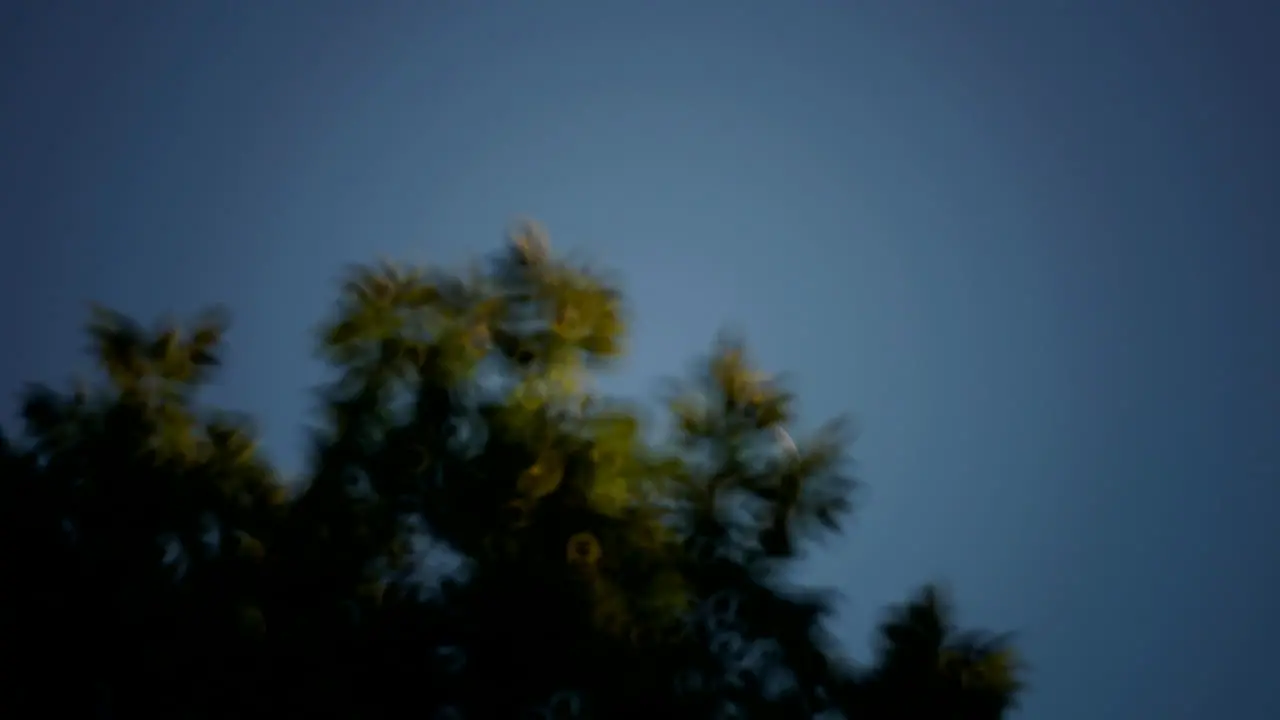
<point>926,667</point>
<point>154,563</point>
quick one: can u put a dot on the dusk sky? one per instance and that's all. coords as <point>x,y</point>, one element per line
<point>1029,245</point>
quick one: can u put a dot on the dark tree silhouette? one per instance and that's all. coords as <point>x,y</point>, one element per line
<point>155,565</point>
<point>926,667</point>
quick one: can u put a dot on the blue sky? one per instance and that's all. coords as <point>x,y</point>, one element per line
<point>1027,245</point>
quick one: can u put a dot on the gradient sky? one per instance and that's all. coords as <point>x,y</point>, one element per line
<point>1026,244</point>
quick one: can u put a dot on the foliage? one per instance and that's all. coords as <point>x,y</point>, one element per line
<point>154,563</point>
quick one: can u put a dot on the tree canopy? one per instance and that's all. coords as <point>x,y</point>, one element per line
<point>154,563</point>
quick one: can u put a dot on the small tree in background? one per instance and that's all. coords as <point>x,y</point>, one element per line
<point>155,563</point>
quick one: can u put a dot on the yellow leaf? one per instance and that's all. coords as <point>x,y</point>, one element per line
<point>609,494</point>
<point>583,549</point>
<point>541,479</point>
